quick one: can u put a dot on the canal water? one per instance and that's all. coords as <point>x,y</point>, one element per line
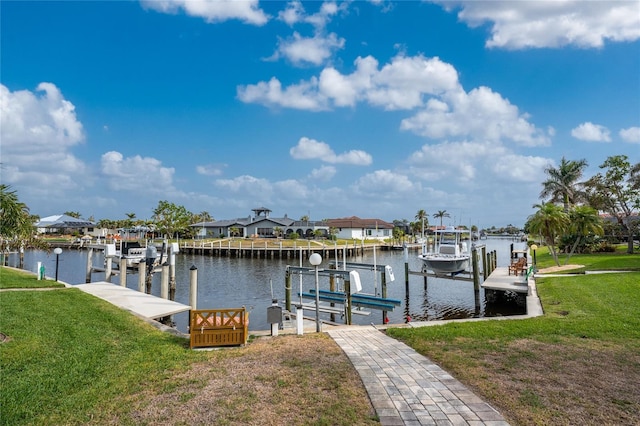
<point>228,282</point>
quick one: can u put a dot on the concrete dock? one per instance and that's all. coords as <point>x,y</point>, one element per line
<point>143,304</point>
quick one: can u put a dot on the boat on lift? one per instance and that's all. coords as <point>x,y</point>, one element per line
<point>449,254</point>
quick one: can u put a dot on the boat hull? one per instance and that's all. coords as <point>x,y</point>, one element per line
<point>445,265</point>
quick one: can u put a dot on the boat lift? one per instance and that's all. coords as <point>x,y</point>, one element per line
<point>348,296</point>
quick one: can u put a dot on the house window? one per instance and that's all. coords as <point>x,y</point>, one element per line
<point>265,232</point>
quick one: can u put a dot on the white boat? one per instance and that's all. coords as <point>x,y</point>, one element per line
<point>134,253</point>
<point>449,255</point>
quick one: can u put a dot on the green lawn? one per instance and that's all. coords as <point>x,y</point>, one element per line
<point>14,278</point>
<point>579,363</point>
<point>71,357</point>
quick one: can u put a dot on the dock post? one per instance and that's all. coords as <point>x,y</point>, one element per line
<point>164,281</point>
<point>108,270</point>
<point>332,287</point>
<point>123,271</point>
<point>287,290</point>
<point>89,265</point>
<point>347,291</point>
<point>484,262</point>
<point>193,286</point>
<point>173,248</point>
<point>476,273</point>
<point>142,268</point>
<point>383,284</point>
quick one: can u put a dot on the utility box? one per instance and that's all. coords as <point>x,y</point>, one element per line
<point>274,315</point>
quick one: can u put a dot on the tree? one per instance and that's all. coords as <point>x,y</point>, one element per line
<point>17,228</point>
<point>77,215</point>
<point>584,221</point>
<point>550,221</point>
<point>234,231</point>
<point>617,192</point>
<point>441,214</point>
<point>171,219</point>
<point>422,217</point>
<point>562,184</point>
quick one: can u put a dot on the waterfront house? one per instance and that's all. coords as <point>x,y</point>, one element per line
<point>64,224</point>
<point>260,225</point>
<point>356,228</point>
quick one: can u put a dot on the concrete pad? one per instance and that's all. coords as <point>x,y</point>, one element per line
<point>142,304</point>
<point>501,280</point>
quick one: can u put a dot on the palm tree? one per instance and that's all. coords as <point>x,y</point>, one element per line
<point>17,228</point>
<point>584,221</point>
<point>441,214</point>
<point>550,221</point>
<point>562,184</point>
<point>421,216</point>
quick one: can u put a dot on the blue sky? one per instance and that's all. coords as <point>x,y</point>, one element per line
<point>328,109</point>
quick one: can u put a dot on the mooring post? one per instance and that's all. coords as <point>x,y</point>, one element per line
<point>108,270</point>
<point>476,273</point>
<point>173,249</point>
<point>89,266</point>
<point>332,287</point>
<point>142,268</point>
<point>164,281</point>
<point>193,286</point>
<point>347,291</point>
<point>383,284</point>
<point>287,290</point>
<point>406,270</point>
<point>484,262</point>
<point>123,271</point>
<point>21,261</point>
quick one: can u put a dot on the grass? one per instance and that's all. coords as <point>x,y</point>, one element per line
<point>577,364</point>
<point>70,358</point>
<point>620,260</point>
<point>21,279</point>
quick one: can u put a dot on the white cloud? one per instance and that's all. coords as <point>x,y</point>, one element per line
<point>631,135</point>
<point>247,185</point>
<point>291,189</point>
<point>466,161</point>
<point>212,11</point>
<point>385,182</point>
<point>294,13</point>
<point>137,174</point>
<point>480,114</point>
<point>537,24</point>
<point>408,83</point>
<point>313,50</point>
<point>308,149</point>
<point>301,96</point>
<point>38,129</point>
<point>323,173</point>
<point>211,169</point>
<point>591,132</point>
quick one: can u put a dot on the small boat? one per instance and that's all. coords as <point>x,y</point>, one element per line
<point>134,253</point>
<point>449,255</point>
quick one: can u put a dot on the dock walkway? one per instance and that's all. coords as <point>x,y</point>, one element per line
<point>143,304</point>
<point>500,280</point>
<point>405,387</point>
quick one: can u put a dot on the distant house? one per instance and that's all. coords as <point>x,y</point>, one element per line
<point>355,228</point>
<point>261,225</point>
<point>63,224</point>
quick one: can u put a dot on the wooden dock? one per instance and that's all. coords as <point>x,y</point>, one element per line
<point>143,304</point>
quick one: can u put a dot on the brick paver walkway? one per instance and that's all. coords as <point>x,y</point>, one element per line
<point>406,388</point>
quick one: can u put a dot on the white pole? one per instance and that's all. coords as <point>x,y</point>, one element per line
<point>164,282</point>
<point>123,271</point>
<point>193,290</point>
<point>39,270</point>
<point>142,270</point>
<point>299,320</point>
